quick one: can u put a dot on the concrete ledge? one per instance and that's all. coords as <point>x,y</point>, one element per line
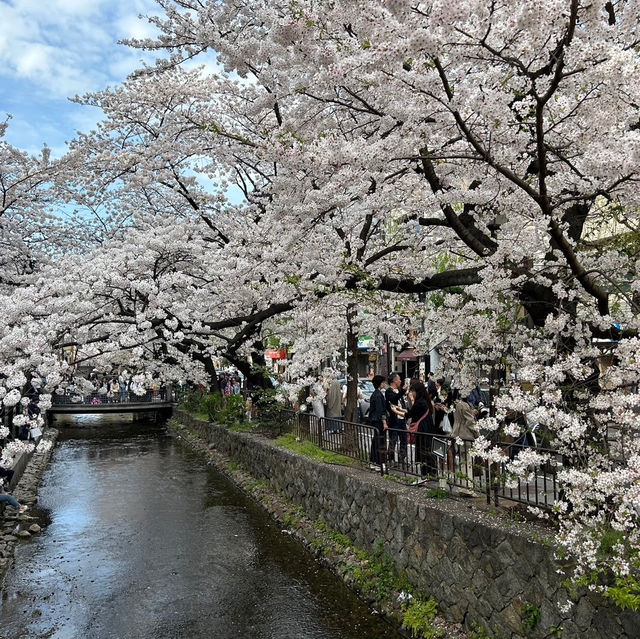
<point>19,466</point>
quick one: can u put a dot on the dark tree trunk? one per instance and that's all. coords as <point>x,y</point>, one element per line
<point>350,439</point>
<point>256,374</point>
<point>352,366</point>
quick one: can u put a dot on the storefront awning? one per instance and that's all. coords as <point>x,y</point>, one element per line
<point>407,356</point>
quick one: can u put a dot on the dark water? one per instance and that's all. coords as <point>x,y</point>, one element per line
<point>146,541</point>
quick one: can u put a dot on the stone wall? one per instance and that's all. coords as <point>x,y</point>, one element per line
<point>483,571</point>
<point>14,527</point>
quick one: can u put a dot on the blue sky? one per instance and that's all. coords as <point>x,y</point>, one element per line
<point>51,50</point>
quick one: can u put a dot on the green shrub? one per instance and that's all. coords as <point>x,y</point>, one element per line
<point>341,541</point>
<point>191,400</point>
<point>626,593</point>
<point>269,409</point>
<point>214,407</point>
<point>418,618</point>
<point>202,404</point>
<point>530,616</point>
<point>478,632</point>
<point>210,405</point>
<point>231,410</point>
<point>384,572</point>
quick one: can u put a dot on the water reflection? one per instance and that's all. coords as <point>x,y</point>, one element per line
<point>146,541</point>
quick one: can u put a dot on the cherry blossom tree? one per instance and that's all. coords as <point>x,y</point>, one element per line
<point>503,135</point>
<point>32,234</point>
<point>25,228</point>
<point>484,153</point>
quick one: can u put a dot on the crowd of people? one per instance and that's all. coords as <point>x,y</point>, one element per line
<point>412,413</point>
<point>416,413</point>
<point>229,384</point>
<point>107,389</point>
<point>110,389</point>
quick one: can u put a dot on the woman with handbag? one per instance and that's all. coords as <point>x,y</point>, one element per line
<point>421,416</point>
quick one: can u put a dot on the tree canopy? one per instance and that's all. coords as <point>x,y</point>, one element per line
<point>338,160</point>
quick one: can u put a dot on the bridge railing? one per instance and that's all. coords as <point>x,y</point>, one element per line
<point>93,399</point>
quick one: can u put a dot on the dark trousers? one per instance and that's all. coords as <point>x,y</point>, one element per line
<point>427,460</point>
<point>398,438</point>
<point>378,453</point>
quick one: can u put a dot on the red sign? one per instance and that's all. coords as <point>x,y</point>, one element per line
<point>276,354</point>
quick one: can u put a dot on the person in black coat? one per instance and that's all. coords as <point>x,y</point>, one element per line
<point>378,419</point>
<point>33,409</point>
<point>397,425</point>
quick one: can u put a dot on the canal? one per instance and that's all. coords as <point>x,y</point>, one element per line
<point>143,540</point>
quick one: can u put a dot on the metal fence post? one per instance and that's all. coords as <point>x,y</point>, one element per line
<point>487,479</point>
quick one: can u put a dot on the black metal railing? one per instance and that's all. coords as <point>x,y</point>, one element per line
<point>441,457</point>
<point>449,461</point>
<point>335,435</point>
<point>539,484</point>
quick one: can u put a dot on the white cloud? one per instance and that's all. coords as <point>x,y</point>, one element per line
<point>54,49</point>
<point>66,46</point>
<point>35,60</point>
<point>134,27</point>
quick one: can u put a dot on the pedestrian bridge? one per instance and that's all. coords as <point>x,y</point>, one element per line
<point>96,404</point>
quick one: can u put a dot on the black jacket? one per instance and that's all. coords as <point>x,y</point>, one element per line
<point>393,398</point>
<point>377,407</point>
<point>417,411</point>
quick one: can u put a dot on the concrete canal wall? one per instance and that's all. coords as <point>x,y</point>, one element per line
<point>484,571</point>
<point>19,466</point>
